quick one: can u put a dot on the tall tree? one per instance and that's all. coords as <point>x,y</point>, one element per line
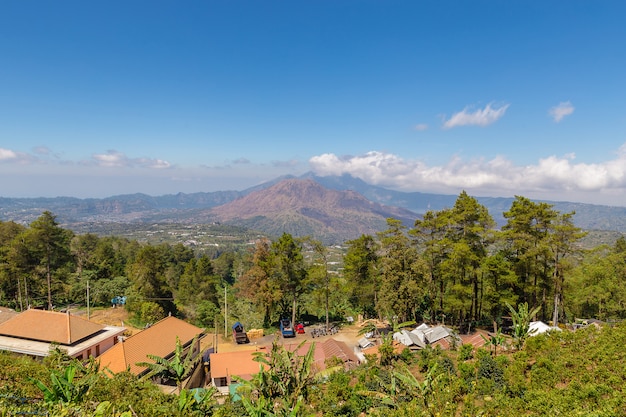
<point>319,272</point>
<point>400,274</point>
<point>256,283</point>
<point>472,233</point>
<point>9,279</point>
<point>563,243</point>
<point>198,284</point>
<point>361,272</point>
<point>147,272</point>
<point>51,243</point>
<point>290,271</point>
<point>525,235</point>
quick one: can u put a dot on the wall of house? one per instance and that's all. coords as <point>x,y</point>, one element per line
<point>97,349</point>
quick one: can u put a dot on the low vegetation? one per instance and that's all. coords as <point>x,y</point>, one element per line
<point>561,373</point>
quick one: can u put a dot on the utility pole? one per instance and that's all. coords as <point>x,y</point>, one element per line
<point>225,313</point>
<point>88,312</point>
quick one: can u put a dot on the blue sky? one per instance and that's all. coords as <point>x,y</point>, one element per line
<point>498,98</point>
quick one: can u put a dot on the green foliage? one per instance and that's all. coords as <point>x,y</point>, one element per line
<point>466,352</point>
<point>178,367</point>
<point>283,384</point>
<point>521,323</point>
<point>67,386</point>
<point>151,312</point>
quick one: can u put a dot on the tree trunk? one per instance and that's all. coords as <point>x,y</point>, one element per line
<point>293,311</point>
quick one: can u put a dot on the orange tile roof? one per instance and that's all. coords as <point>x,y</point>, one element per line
<point>49,326</point>
<point>158,339</point>
<point>239,363</point>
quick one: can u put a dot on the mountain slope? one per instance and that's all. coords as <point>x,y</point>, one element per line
<point>304,207</point>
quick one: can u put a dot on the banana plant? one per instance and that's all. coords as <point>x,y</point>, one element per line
<point>65,386</point>
<point>177,368</point>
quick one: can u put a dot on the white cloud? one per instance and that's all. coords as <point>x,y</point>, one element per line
<point>115,159</point>
<point>421,127</point>
<point>564,108</point>
<point>480,117</point>
<point>552,177</point>
<point>7,155</point>
<point>15,157</point>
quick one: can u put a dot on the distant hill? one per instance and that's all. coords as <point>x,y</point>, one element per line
<point>305,207</point>
<point>325,207</point>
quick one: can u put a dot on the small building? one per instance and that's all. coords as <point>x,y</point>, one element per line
<point>327,350</point>
<point>35,332</point>
<point>158,340</point>
<point>226,365</point>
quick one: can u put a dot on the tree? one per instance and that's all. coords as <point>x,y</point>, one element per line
<point>258,284</point>
<point>471,233</point>
<point>400,274</point>
<point>320,269</point>
<point>82,248</point>
<point>148,275</point>
<point>525,235</point>
<point>562,241</point>
<point>290,271</point>
<point>361,272</point>
<point>51,243</point>
<point>197,286</point>
<point>430,237</point>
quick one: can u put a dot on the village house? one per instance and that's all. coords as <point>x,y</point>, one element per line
<point>34,332</point>
<point>241,364</point>
<point>158,340</point>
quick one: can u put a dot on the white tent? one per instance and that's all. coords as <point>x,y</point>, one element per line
<point>539,327</point>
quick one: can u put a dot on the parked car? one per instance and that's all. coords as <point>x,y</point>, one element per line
<point>286,328</point>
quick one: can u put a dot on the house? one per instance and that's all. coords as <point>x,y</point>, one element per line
<point>476,339</point>
<point>158,340</point>
<point>414,339</point>
<point>241,363</point>
<point>327,350</point>
<point>226,365</point>
<point>375,350</point>
<point>35,332</point>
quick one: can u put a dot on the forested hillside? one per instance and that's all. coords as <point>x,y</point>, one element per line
<point>453,266</point>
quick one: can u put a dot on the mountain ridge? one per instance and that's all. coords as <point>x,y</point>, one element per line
<point>318,215</point>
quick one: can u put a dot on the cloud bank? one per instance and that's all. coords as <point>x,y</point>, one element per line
<point>480,117</point>
<point>552,177</point>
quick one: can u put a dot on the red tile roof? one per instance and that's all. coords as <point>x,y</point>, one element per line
<point>158,339</point>
<point>49,326</point>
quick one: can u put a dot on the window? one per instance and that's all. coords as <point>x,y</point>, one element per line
<point>221,382</point>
